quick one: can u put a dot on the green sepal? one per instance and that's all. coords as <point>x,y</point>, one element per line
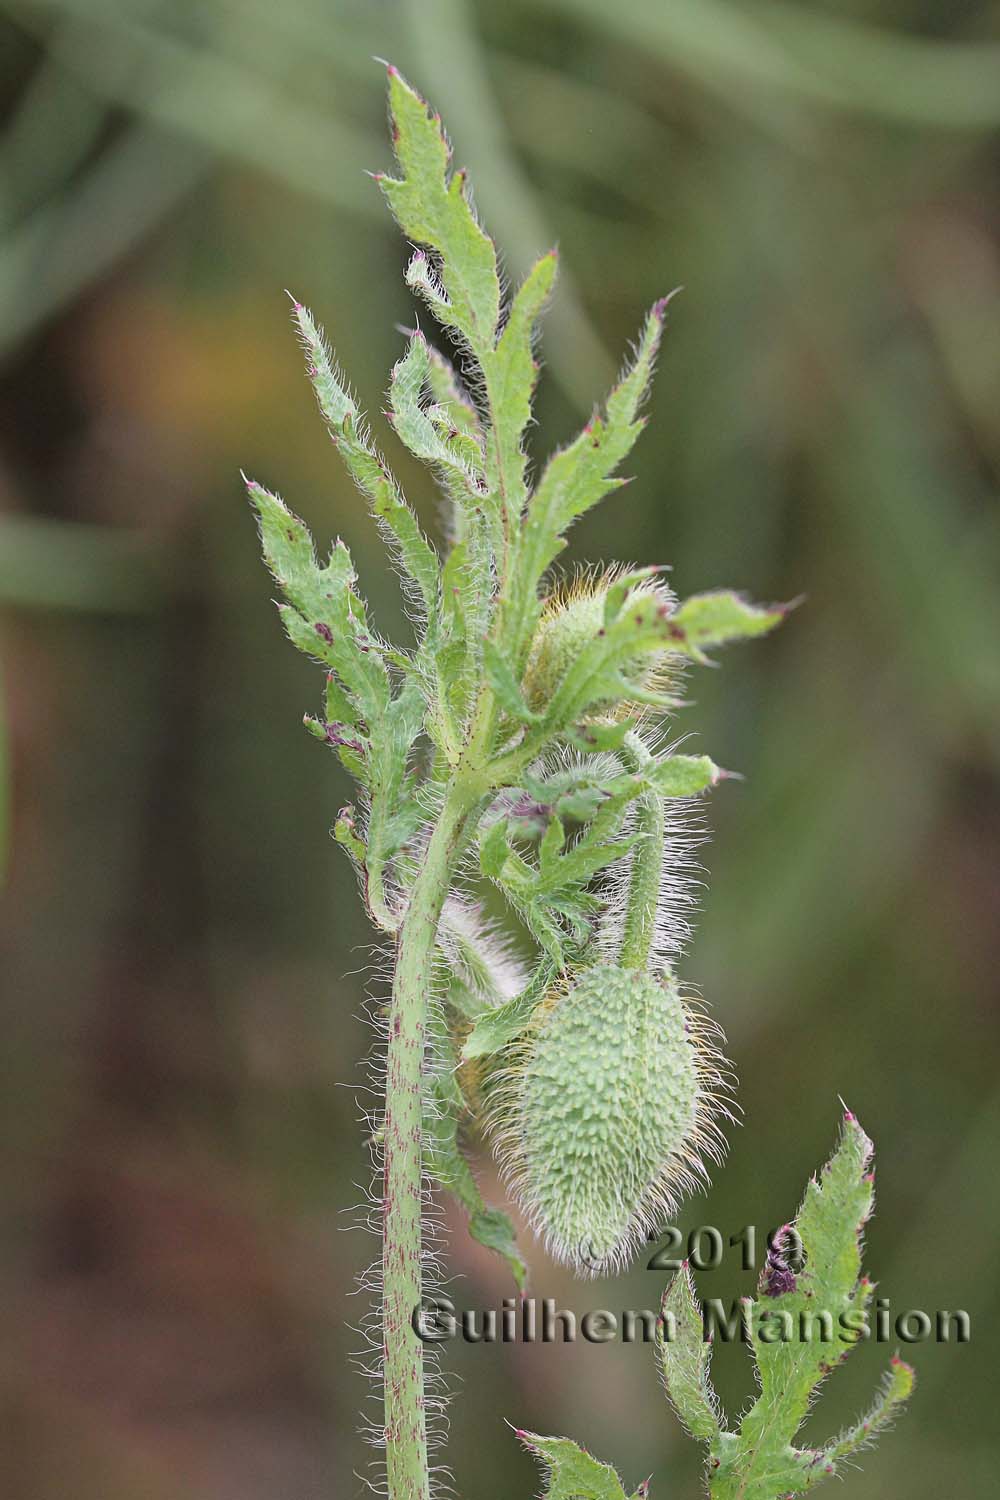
<point>497,1027</point>
<point>623,586</point>
<point>640,628</point>
<point>593,735</point>
<point>683,775</point>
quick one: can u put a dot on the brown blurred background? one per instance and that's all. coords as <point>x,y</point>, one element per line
<point>185,961</point>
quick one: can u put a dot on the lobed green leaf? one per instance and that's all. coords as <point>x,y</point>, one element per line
<point>435,210</point>
<point>798,1330</point>
<point>367,467</point>
<point>576,478</point>
<point>510,373</point>
<point>457,455</point>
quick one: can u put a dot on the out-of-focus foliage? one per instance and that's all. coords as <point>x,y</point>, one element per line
<point>822,180</point>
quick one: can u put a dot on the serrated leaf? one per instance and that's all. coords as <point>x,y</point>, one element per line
<point>685,1356</point>
<point>715,619</point>
<point>345,834</point>
<point>577,477</point>
<point>830,1221</point>
<point>578,908</point>
<point>489,1226</point>
<point>804,1321</point>
<point>495,1229</point>
<point>394,816</point>
<point>343,647</point>
<point>289,553</point>
<point>579,864</point>
<point>571,1473</point>
<point>338,708</point>
<point>574,793</point>
<point>450,396</point>
<point>510,372</point>
<point>434,210</point>
<point>366,466</point>
<point>323,617</point>
<point>580,803</point>
<point>459,461</point>
<point>537,917</point>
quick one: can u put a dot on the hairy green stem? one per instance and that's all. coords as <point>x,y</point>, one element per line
<point>405,1419</point>
<point>647,863</point>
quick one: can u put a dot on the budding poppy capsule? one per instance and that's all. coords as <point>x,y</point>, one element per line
<point>573,617</point>
<point>607,1111</point>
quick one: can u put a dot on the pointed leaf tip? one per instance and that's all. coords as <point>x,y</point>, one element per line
<point>572,1472</point>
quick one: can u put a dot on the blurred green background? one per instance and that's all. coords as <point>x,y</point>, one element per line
<point>185,957</point>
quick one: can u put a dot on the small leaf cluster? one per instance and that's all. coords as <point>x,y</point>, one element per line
<point>758,1461</point>
<point>789,1332</point>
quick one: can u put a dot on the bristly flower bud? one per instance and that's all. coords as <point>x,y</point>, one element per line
<point>607,1111</point>
<point>573,617</point>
